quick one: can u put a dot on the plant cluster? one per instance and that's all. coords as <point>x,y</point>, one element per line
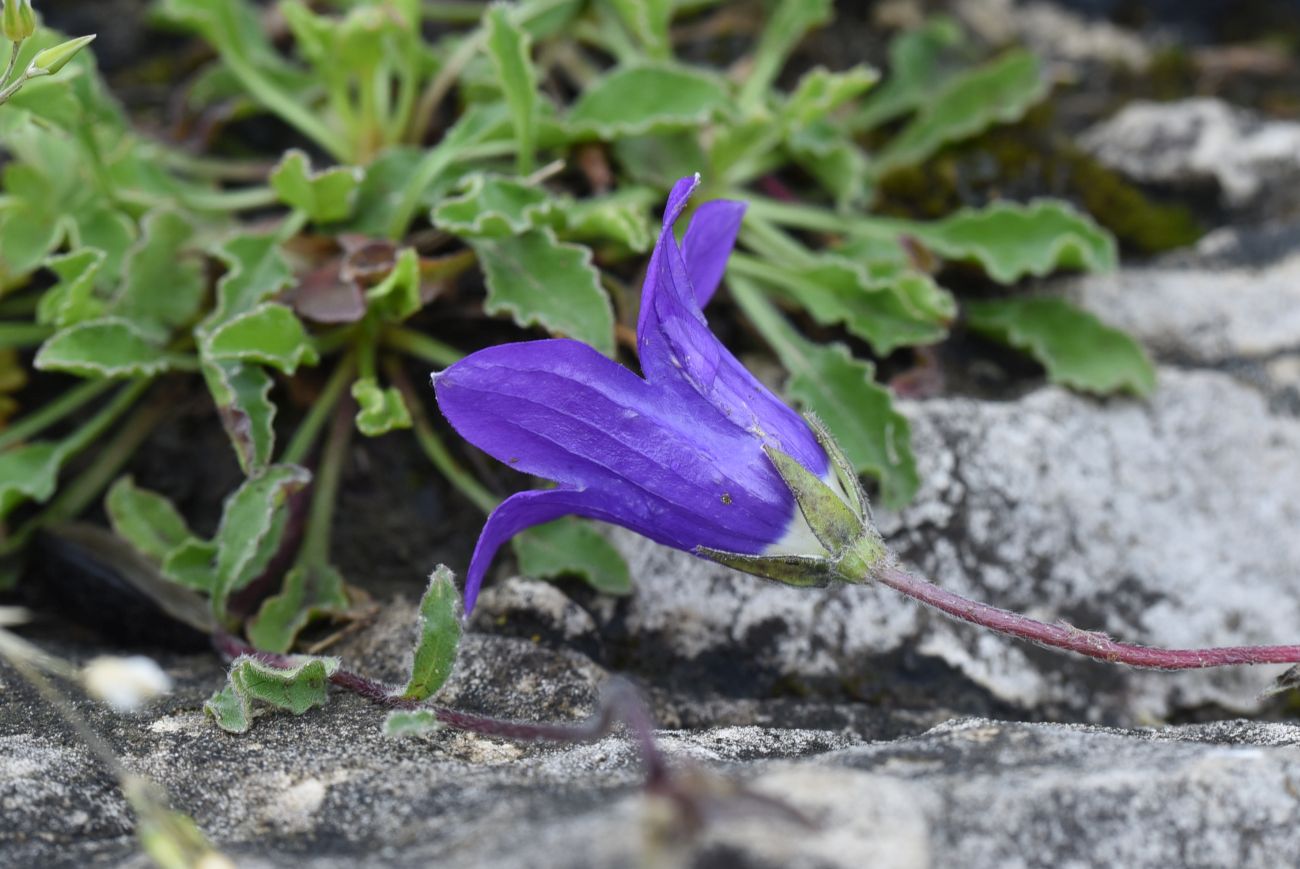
<point>501,160</point>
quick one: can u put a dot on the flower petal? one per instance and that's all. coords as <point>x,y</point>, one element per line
<point>680,355</point>
<point>708,242</point>
<point>666,458</point>
<point>514,514</point>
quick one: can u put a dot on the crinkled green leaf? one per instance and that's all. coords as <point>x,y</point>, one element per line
<point>540,281</point>
<point>242,394</point>
<point>821,91</point>
<point>253,685</point>
<point>230,710</point>
<point>325,196</point>
<point>508,45</point>
<point>193,564</point>
<point>401,723</point>
<point>916,72</point>
<point>309,592</point>
<point>30,471</point>
<point>256,270</point>
<point>103,227</point>
<point>440,630</point>
<point>618,217</point>
<point>833,158</point>
<point>999,92</point>
<point>1076,348</point>
<point>107,347</point>
<point>162,288</point>
<point>379,410</point>
<point>379,196</point>
<point>1011,240</point>
<point>146,520</point>
<point>270,334</point>
<point>888,309</point>
<point>640,99</point>
<point>571,546</point>
<point>490,206</point>
<point>253,521</point>
<point>72,300</point>
<point>397,296</point>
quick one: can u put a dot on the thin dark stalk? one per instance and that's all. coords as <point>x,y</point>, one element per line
<point>1091,644</point>
<point>618,704</point>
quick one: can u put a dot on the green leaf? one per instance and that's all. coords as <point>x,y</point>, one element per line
<point>999,92</point>
<point>162,288</point>
<point>1076,348</point>
<point>252,685</point>
<point>915,72</point>
<point>242,393</point>
<point>508,45</point>
<point>256,270</point>
<point>540,281</point>
<point>397,296</point>
<point>30,471</point>
<point>570,546</point>
<point>1011,240</point>
<point>401,723</point>
<point>325,196</point>
<point>229,710</point>
<point>660,160</point>
<point>490,206</point>
<point>641,99</point>
<point>888,309</point>
<point>440,630</point>
<point>107,347</point>
<point>821,91</point>
<point>309,592</point>
<point>253,520</point>
<point>270,334</point>
<point>72,300</point>
<point>380,410</point>
<point>618,217</point>
<point>790,22</point>
<point>146,520</point>
<point>648,20</point>
<point>193,564</point>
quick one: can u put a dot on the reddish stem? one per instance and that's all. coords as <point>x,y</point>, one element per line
<point>1092,644</point>
<point>619,703</point>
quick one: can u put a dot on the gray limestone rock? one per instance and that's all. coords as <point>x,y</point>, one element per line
<point>326,790</point>
<point>1253,161</point>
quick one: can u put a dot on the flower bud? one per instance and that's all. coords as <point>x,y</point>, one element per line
<point>51,60</point>
<point>19,20</point>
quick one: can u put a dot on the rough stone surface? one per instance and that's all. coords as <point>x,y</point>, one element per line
<point>327,790</point>
<point>1191,142</point>
<point>1055,34</point>
<point>1199,316</point>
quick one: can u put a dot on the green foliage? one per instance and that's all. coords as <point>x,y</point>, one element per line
<point>541,281</point>
<point>254,688</point>
<point>401,723</point>
<point>439,642</point>
<point>286,289</point>
<point>1076,348</point>
<point>569,547</point>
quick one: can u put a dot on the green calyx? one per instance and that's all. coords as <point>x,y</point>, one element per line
<point>55,58</point>
<point>841,522</point>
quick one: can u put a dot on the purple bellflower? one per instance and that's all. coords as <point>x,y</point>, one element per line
<point>699,455</point>
<point>680,455</point>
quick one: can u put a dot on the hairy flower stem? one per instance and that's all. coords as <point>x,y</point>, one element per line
<point>619,703</point>
<point>1092,644</point>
